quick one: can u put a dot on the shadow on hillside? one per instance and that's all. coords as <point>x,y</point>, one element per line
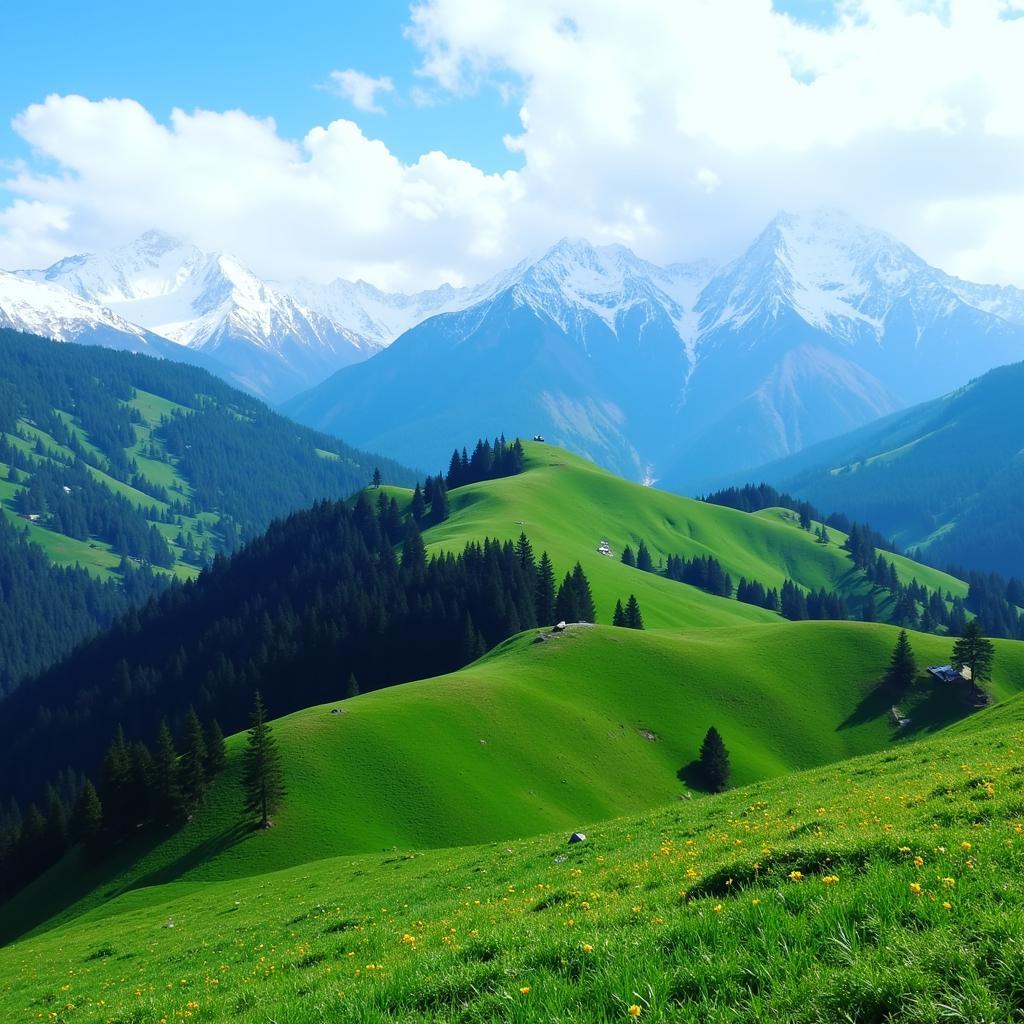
<point>934,710</point>
<point>212,847</point>
<point>692,776</point>
<point>929,708</point>
<point>873,706</point>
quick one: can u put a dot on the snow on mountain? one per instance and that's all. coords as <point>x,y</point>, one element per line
<point>842,278</point>
<point>609,282</point>
<point>52,312</point>
<point>682,372</point>
<point>269,343</point>
<point>820,325</point>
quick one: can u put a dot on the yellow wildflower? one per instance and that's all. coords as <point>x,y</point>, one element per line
<point>915,888</point>
<point>795,876</point>
<point>634,1011</point>
<point>525,990</point>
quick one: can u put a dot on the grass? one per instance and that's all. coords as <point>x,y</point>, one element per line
<point>587,725</point>
<point>796,897</point>
<point>888,888</point>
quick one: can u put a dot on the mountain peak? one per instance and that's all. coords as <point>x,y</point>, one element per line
<point>156,243</point>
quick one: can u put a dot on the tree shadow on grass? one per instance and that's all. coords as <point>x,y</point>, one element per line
<point>873,705</point>
<point>206,850</point>
<point>693,777</point>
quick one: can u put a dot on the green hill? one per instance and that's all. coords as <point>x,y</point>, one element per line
<point>886,888</point>
<point>567,506</point>
<point>582,726</point>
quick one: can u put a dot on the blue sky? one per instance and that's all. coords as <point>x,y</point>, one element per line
<point>676,127</point>
<point>267,58</point>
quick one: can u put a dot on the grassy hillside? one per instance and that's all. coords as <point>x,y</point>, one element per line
<point>567,506</point>
<point>885,889</point>
<point>540,735</point>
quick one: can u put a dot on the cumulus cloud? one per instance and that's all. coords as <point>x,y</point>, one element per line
<point>359,89</point>
<point>675,126</point>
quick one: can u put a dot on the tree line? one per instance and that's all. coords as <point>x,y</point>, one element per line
<point>139,786</point>
<point>45,610</point>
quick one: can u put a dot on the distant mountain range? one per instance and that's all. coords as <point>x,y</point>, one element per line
<point>686,372</point>
<point>946,476</point>
<point>678,374</point>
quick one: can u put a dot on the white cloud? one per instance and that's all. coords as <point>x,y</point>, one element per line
<point>675,126</point>
<point>359,89</point>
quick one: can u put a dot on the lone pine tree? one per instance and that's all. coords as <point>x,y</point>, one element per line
<point>714,761</point>
<point>902,667</point>
<point>972,650</point>
<point>262,772</point>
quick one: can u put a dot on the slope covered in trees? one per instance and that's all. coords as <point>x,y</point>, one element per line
<point>322,597</point>
<point>122,464</point>
<point>945,476</point>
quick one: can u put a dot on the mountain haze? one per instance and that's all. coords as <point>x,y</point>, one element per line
<point>685,372</point>
<point>945,476</point>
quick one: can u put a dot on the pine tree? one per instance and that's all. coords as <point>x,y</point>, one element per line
<point>56,838</point>
<point>714,761</point>
<point>524,551</point>
<point>628,558</point>
<point>414,554</point>
<point>262,771</point>
<point>216,752</point>
<point>419,506</point>
<point>439,508</point>
<point>584,597</point>
<point>168,804</point>
<point>902,667</point>
<point>644,562</point>
<point>633,617</point>
<point>973,651</point>
<point>351,687</point>
<point>115,783</point>
<point>192,766</point>
<point>87,820</point>
<point>544,596</point>
<point>567,604</point>
<point>376,476</point>
<point>473,646</point>
<point>619,615</point>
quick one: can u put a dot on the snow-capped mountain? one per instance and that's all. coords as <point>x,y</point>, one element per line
<point>36,307</point>
<point>681,373</point>
<point>267,342</point>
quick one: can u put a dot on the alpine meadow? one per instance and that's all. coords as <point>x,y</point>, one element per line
<point>512,513</point>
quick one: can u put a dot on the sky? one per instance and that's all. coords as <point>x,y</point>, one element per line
<point>442,140</point>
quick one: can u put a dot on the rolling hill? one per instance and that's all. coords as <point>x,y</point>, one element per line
<point>587,725</point>
<point>567,506</point>
<point>944,477</point>
<point>916,848</point>
<point>280,616</point>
